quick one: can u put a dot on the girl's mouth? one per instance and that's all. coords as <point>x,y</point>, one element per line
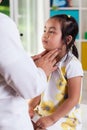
<point>44,42</point>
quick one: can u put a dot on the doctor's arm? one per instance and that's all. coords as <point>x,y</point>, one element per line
<point>21,73</point>
<point>17,68</point>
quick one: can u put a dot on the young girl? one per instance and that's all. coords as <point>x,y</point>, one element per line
<point>59,105</point>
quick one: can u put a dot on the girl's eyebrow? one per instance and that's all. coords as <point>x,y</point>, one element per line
<point>50,27</point>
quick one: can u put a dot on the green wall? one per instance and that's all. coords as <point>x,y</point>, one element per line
<point>4,7</point>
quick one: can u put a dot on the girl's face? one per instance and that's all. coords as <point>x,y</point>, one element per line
<point>52,35</point>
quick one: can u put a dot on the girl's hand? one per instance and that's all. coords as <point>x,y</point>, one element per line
<point>31,112</point>
<point>45,122</point>
<point>40,129</point>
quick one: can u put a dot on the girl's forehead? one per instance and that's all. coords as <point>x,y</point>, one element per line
<point>52,22</point>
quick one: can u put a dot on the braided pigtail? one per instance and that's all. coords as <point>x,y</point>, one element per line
<point>75,51</point>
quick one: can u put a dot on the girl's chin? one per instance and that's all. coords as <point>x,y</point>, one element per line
<point>48,49</point>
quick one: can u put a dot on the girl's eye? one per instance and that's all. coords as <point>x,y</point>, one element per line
<point>44,31</point>
<point>51,32</point>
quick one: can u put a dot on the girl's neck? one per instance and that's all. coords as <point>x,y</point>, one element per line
<point>61,55</point>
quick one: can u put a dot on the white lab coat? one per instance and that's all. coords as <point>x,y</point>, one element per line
<point>20,79</point>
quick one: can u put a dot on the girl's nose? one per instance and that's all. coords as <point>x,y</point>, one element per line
<point>46,35</point>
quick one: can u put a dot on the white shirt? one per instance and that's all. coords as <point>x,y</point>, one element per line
<point>68,67</point>
<point>20,79</point>
<point>57,92</point>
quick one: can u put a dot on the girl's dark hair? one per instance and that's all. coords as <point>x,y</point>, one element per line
<point>69,26</point>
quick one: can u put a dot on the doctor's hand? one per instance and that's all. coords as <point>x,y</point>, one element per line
<point>36,57</point>
<point>47,61</point>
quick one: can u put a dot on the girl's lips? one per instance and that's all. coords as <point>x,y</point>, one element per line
<point>44,41</point>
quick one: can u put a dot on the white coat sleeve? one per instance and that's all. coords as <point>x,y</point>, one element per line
<point>17,68</point>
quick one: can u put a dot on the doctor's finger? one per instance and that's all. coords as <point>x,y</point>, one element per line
<point>50,53</point>
<point>54,55</point>
<point>36,57</point>
<point>43,53</point>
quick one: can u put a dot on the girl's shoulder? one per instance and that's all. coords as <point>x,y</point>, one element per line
<point>73,67</point>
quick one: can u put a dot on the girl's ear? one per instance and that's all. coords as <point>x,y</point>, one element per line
<point>68,39</point>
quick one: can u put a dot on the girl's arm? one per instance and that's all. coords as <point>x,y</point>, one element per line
<point>74,88</point>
